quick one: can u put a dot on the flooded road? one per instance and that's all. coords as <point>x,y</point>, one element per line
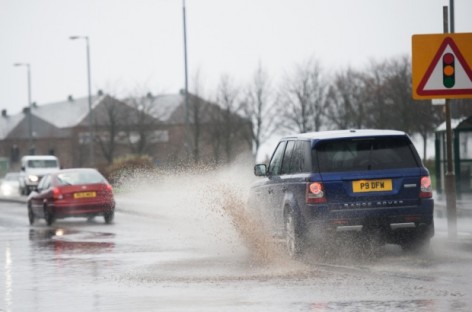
<point>188,245</point>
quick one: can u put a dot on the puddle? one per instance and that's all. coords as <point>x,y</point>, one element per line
<point>73,241</point>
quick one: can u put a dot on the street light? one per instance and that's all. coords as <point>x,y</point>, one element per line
<point>30,108</point>
<point>91,128</point>
<point>186,135</point>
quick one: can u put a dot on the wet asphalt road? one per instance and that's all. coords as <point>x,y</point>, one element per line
<point>186,254</point>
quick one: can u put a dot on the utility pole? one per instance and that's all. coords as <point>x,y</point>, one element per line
<point>31,149</point>
<point>186,129</point>
<point>89,87</point>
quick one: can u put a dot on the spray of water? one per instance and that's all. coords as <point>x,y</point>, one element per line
<point>253,234</point>
<point>213,200</point>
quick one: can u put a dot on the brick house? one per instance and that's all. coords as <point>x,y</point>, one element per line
<point>150,125</point>
<point>213,135</point>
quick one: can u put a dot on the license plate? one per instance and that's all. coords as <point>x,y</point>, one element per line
<point>363,186</point>
<point>85,195</point>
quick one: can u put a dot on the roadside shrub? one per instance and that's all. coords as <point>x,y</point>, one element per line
<point>431,165</point>
<point>127,167</point>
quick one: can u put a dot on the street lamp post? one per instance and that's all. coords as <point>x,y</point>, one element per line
<point>186,134</point>
<point>89,82</point>
<point>30,108</point>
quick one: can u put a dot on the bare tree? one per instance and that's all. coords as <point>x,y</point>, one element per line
<point>142,124</point>
<point>303,98</point>
<point>428,118</point>
<point>388,95</point>
<point>399,91</point>
<point>378,107</point>
<point>258,107</point>
<point>229,128</point>
<point>346,106</point>
<point>110,121</point>
<point>197,111</point>
<point>227,97</point>
<point>461,108</point>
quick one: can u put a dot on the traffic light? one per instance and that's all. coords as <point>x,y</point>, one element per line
<point>448,70</point>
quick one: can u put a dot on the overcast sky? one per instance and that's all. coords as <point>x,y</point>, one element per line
<point>137,45</point>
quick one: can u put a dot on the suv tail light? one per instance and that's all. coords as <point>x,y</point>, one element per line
<point>426,190</point>
<point>315,193</point>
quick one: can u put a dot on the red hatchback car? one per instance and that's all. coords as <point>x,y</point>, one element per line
<point>72,193</point>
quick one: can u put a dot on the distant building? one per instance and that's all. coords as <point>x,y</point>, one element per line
<point>151,125</point>
<point>461,153</point>
<point>213,135</point>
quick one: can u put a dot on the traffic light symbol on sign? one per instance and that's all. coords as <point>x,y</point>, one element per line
<point>448,70</point>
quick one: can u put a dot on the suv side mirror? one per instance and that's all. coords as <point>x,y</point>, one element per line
<point>260,170</point>
<point>22,168</point>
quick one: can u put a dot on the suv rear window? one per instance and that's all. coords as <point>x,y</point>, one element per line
<point>359,154</point>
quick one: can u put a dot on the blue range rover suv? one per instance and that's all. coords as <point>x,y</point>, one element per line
<point>369,182</point>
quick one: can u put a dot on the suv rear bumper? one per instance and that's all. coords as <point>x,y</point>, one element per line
<point>397,214</point>
<point>392,222</point>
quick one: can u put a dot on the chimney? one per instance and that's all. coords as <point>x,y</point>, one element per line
<point>70,98</point>
<point>4,113</point>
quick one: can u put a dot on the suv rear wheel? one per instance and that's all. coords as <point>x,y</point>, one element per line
<point>416,245</point>
<point>419,240</point>
<point>293,236</point>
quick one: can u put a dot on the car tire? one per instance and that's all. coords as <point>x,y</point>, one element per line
<point>293,236</point>
<point>31,217</point>
<point>420,240</point>
<point>416,245</point>
<point>109,216</point>
<point>49,216</point>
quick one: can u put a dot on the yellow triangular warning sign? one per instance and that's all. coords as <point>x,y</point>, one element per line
<point>448,73</point>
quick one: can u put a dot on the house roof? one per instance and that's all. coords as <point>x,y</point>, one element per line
<point>170,108</point>
<point>7,123</point>
<point>455,124</point>
<point>165,105</point>
<point>61,115</point>
<point>66,114</point>
<point>161,107</point>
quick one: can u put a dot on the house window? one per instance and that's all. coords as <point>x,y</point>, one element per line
<point>84,138</point>
<point>15,153</point>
